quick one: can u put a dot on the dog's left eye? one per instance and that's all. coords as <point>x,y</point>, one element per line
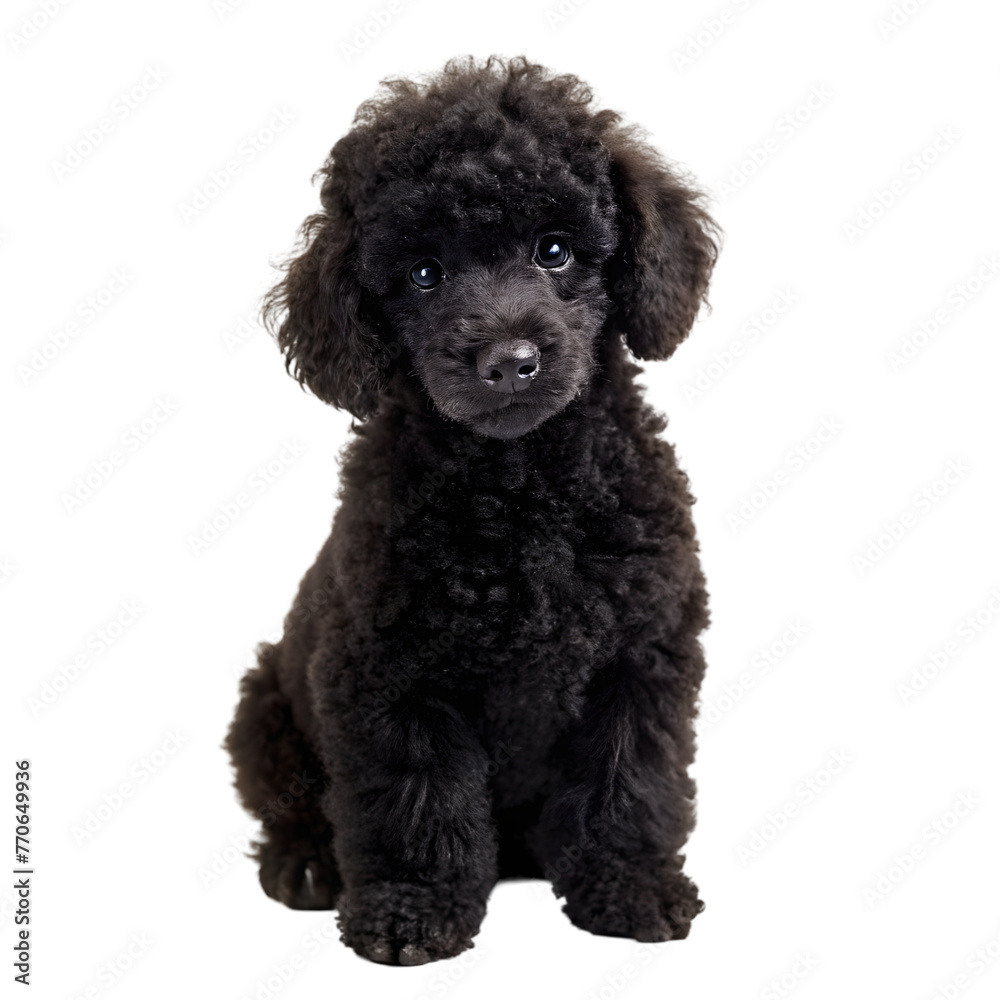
<point>427,273</point>
<point>551,252</point>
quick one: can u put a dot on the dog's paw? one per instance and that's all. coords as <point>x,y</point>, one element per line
<point>305,880</point>
<point>636,907</point>
<point>400,923</point>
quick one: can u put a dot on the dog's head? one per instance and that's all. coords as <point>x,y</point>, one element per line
<point>482,230</point>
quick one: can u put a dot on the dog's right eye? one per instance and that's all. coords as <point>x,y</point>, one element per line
<point>551,252</point>
<point>427,273</point>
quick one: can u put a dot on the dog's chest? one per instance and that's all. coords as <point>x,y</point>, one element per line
<point>512,583</point>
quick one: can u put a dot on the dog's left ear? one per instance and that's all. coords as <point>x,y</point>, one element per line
<point>326,323</point>
<point>659,277</point>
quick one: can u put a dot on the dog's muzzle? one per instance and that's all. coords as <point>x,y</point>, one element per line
<point>509,365</point>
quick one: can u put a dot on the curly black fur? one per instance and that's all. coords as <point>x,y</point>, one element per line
<point>492,668</point>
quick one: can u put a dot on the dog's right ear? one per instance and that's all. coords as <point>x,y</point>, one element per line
<point>324,320</point>
<point>660,274</point>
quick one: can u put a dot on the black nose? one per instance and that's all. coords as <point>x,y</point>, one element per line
<point>508,366</point>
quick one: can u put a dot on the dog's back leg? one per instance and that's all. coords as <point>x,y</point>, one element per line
<point>280,781</point>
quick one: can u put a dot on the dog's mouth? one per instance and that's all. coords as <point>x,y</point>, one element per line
<point>502,415</point>
<point>510,417</point>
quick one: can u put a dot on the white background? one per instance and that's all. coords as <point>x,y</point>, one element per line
<point>181,330</point>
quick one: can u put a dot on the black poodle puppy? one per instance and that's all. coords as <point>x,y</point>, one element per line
<point>492,669</point>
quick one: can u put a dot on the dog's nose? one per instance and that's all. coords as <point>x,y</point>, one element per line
<point>508,366</point>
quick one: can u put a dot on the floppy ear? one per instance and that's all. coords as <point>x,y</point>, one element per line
<point>324,320</point>
<point>659,276</point>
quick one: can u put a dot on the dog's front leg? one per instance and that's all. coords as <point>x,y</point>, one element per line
<point>612,834</point>
<point>413,835</point>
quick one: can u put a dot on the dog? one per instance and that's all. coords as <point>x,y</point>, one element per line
<point>492,669</point>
